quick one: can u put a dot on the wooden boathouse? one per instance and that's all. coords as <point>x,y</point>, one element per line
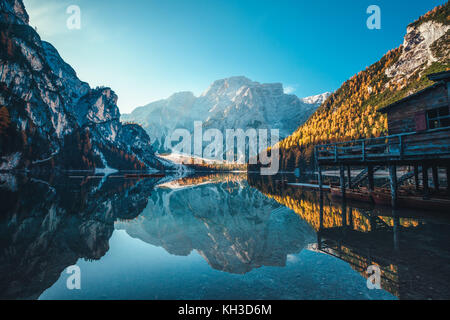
<point>419,138</point>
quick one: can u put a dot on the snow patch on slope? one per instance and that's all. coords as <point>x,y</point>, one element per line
<point>317,99</point>
<point>106,170</point>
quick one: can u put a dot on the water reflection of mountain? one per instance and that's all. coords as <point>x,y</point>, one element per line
<point>234,227</point>
<point>49,223</point>
<point>412,252</point>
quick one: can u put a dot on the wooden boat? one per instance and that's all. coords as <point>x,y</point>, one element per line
<point>145,175</point>
<point>361,194</point>
<point>382,197</point>
<point>413,201</point>
<point>309,186</point>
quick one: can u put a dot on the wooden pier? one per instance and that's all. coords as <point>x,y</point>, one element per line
<point>419,138</point>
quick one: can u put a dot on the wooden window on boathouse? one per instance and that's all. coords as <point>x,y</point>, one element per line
<point>438,118</point>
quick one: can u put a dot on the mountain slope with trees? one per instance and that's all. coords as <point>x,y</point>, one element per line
<point>351,112</point>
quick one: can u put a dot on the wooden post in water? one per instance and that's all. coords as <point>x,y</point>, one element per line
<point>416,176</point>
<point>396,228</point>
<point>393,182</point>
<point>350,217</point>
<point>373,225</point>
<point>344,213</point>
<point>448,180</point>
<point>349,177</point>
<point>342,180</point>
<point>426,190</point>
<point>319,234</point>
<point>319,169</point>
<point>436,179</point>
<point>319,177</point>
<point>321,212</point>
<point>371,178</point>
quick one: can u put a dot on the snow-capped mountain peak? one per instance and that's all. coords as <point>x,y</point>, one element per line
<point>230,103</point>
<point>317,99</point>
<point>227,86</point>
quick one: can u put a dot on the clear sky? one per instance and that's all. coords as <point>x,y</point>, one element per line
<point>146,50</point>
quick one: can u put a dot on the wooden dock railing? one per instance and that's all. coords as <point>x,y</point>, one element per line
<point>430,144</point>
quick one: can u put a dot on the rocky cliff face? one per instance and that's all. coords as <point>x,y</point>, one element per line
<point>232,103</point>
<point>239,103</point>
<point>161,118</point>
<point>418,52</point>
<point>51,118</point>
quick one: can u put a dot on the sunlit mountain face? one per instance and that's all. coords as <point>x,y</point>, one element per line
<point>235,102</point>
<point>212,236</point>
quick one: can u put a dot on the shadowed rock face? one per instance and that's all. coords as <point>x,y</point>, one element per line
<point>234,227</point>
<point>55,119</point>
<point>49,224</point>
<point>424,44</point>
<point>14,11</point>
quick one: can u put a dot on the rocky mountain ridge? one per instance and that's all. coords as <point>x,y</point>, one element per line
<point>50,118</point>
<point>231,103</point>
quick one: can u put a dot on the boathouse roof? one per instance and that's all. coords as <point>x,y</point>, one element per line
<point>439,78</point>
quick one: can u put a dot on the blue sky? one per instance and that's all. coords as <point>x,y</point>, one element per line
<point>146,50</point>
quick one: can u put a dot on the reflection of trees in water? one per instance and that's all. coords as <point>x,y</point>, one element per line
<point>48,223</point>
<point>307,205</point>
<point>407,250</point>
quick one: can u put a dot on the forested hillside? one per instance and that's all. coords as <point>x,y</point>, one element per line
<point>351,112</point>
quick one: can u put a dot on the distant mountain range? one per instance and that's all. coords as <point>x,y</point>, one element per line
<point>232,103</point>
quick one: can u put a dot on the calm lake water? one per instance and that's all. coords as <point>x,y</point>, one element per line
<point>218,236</point>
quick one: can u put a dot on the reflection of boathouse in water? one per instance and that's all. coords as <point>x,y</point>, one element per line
<point>419,137</point>
<point>411,253</point>
<point>410,249</point>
